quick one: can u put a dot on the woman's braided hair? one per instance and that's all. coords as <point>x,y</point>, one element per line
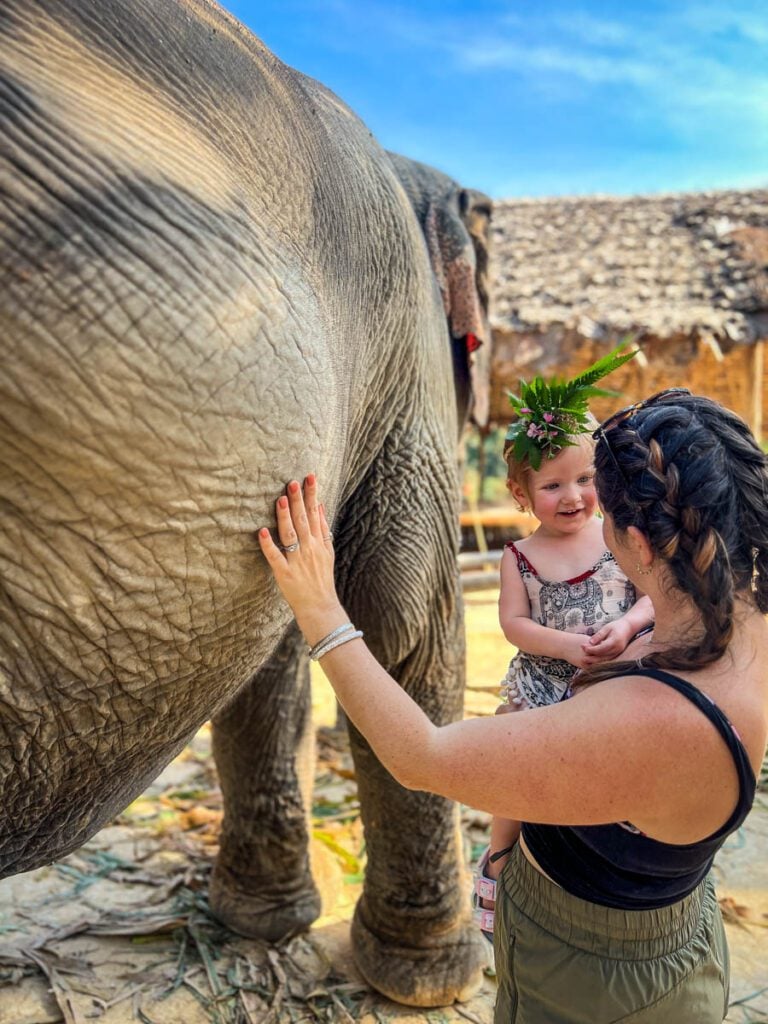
<point>689,474</point>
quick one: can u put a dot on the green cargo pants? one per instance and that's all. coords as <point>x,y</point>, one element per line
<point>562,960</point>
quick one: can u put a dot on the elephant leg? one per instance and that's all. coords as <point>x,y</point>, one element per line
<point>413,936</point>
<point>412,931</point>
<point>263,744</point>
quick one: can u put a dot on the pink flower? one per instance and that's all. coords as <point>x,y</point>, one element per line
<point>548,417</point>
<point>534,431</point>
<point>525,412</point>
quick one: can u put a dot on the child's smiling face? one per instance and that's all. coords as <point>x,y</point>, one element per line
<point>561,494</point>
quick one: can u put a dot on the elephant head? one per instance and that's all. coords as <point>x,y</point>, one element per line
<point>456,225</point>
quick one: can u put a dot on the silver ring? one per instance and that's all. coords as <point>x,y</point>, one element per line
<point>329,537</point>
<point>290,547</point>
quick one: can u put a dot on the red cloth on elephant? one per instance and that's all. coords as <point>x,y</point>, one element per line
<point>455,273</point>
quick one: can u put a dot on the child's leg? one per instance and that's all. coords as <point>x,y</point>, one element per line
<point>504,831</point>
<point>504,834</point>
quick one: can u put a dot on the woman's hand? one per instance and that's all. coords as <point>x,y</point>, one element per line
<point>302,562</point>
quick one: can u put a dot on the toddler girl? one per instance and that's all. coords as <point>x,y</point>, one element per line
<point>564,601</point>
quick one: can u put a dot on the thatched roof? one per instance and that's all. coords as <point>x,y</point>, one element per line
<point>688,263</point>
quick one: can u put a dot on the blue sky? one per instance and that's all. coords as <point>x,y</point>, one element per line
<point>545,98</point>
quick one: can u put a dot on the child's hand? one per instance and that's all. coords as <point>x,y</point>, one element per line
<point>577,650</point>
<point>608,642</point>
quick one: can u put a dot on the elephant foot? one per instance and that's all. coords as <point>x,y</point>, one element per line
<point>273,918</point>
<point>444,968</point>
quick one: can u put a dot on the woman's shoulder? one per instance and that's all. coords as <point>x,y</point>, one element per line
<point>740,696</point>
<point>671,702</point>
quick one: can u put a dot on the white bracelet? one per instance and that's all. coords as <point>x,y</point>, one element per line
<point>331,636</point>
<point>339,640</point>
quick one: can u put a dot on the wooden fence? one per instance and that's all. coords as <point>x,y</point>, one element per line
<point>479,570</point>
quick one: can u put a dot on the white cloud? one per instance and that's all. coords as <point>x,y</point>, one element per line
<point>747,19</point>
<point>688,80</point>
<point>678,63</point>
<point>588,67</point>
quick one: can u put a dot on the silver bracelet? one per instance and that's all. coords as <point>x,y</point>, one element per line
<point>331,636</point>
<point>337,643</point>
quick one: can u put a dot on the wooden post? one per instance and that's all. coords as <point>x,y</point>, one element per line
<point>758,367</point>
<point>482,464</point>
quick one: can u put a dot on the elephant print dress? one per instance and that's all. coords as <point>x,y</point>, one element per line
<point>581,605</point>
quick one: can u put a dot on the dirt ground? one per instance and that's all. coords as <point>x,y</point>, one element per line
<point>120,931</point>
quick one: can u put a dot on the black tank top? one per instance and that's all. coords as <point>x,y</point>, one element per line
<point>617,865</point>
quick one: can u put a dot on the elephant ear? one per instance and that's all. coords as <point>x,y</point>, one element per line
<point>457,231</point>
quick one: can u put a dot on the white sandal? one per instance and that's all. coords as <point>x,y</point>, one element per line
<point>484,889</point>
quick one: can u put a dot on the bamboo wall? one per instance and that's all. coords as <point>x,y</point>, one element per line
<point>739,381</point>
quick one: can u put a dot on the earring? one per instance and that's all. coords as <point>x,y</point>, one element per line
<point>643,572</point>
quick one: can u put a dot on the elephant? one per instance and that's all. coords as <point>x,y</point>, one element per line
<point>214,280</point>
<point>582,602</point>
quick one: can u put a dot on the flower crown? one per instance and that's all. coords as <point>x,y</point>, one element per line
<point>550,415</point>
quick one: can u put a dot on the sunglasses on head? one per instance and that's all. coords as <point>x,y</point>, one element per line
<point>618,417</point>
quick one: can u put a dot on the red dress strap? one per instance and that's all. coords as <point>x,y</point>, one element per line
<point>522,561</point>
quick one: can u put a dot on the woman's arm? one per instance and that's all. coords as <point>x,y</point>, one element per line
<point>606,755</point>
<point>518,627</point>
<point>366,692</point>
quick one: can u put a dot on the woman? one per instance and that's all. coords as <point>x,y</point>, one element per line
<point>605,909</point>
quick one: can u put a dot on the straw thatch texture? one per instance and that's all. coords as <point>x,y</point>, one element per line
<point>685,275</point>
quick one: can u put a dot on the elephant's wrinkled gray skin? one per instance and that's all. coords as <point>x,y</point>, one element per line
<point>211,281</point>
